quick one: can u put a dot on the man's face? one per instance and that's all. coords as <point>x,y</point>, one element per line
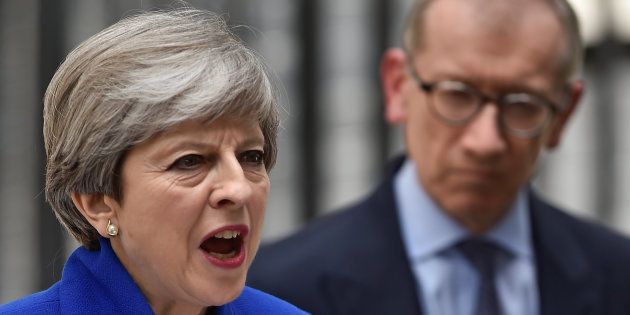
<point>474,171</point>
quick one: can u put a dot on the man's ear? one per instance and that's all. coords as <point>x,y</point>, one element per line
<point>97,209</point>
<point>393,77</point>
<point>576,90</point>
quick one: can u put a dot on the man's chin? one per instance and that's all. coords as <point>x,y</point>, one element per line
<point>477,208</point>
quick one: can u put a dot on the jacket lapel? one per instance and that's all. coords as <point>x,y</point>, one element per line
<point>567,284</point>
<point>383,274</point>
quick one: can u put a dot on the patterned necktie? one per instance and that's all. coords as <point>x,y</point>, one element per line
<point>483,255</point>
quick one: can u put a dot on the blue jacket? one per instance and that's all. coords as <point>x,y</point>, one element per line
<point>95,282</point>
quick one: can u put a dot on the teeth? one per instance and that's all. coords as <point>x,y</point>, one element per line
<point>223,256</point>
<point>227,234</point>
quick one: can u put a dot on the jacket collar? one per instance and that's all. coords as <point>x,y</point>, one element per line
<point>96,282</point>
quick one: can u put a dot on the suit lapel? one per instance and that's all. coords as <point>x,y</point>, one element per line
<point>383,274</point>
<point>567,284</point>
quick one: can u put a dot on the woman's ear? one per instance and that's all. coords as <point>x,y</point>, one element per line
<point>99,210</point>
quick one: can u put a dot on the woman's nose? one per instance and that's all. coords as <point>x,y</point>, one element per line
<point>231,189</point>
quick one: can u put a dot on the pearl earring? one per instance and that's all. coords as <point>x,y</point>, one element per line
<point>112,230</point>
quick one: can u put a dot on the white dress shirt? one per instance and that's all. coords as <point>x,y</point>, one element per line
<point>448,284</point>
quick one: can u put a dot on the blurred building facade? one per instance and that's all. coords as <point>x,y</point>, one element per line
<point>334,144</point>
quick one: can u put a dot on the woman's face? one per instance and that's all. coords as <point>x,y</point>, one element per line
<point>193,203</point>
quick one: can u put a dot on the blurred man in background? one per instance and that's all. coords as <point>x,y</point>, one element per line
<point>481,87</point>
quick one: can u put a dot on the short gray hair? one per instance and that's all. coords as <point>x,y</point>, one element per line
<point>572,62</point>
<point>135,79</point>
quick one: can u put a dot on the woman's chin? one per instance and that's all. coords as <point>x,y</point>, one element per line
<point>223,292</point>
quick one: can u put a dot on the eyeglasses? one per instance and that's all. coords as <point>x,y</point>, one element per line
<point>456,103</point>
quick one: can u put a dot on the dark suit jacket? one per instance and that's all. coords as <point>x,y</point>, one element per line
<point>95,282</point>
<point>353,262</point>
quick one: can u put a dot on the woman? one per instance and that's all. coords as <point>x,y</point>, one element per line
<point>159,133</point>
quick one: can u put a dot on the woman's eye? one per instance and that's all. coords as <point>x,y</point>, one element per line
<point>188,162</point>
<point>254,157</point>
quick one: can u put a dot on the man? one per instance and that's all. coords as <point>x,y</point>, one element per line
<point>481,88</point>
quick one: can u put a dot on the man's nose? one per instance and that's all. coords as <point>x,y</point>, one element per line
<point>483,136</point>
<point>231,189</point>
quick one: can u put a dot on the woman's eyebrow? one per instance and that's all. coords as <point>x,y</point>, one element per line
<point>203,145</point>
<point>253,141</point>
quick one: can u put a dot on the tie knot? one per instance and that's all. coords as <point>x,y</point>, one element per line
<point>481,253</point>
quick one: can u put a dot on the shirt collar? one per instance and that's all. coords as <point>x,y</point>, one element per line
<point>427,230</point>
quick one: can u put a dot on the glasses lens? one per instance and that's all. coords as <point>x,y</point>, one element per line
<point>454,101</point>
<point>524,112</point>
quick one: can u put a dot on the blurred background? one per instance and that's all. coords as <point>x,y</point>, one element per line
<point>334,144</point>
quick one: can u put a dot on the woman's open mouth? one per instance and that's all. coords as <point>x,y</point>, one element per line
<point>224,247</point>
